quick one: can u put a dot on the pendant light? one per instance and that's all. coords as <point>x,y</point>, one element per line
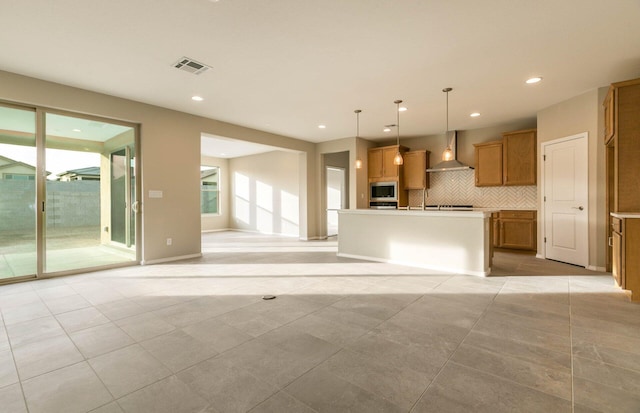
<point>358,160</point>
<point>397,160</point>
<point>449,161</point>
<point>447,155</point>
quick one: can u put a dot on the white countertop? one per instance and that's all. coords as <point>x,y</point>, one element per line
<point>472,213</point>
<point>626,214</point>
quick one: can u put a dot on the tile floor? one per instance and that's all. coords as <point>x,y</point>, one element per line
<point>343,335</point>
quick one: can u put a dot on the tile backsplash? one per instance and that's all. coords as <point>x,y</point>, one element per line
<point>458,187</point>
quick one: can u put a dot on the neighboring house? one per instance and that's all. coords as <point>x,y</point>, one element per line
<point>210,176</point>
<point>16,170</point>
<point>91,173</point>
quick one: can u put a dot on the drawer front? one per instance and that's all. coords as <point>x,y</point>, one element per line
<point>616,224</point>
<point>518,214</point>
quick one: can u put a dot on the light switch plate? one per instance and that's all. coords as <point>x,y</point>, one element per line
<point>155,194</point>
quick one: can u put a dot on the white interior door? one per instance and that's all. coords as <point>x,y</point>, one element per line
<point>566,200</point>
<point>335,197</point>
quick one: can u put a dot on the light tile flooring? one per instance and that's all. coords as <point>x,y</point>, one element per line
<point>342,335</point>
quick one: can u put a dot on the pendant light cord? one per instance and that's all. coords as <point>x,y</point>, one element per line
<point>398,102</point>
<point>398,123</point>
<point>446,133</point>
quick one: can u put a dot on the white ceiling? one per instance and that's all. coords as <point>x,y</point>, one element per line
<point>286,66</point>
<point>221,147</point>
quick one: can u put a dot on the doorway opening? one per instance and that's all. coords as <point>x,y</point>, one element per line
<point>336,199</point>
<point>336,193</point>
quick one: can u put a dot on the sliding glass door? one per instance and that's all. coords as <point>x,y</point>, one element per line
<point>68,192</point>
<point>88,193</point>
<point>18,164</point>
<point>123,196</point>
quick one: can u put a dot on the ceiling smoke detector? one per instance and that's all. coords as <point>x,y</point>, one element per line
<point>189,65</point>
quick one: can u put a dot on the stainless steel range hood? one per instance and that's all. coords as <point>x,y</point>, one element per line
<point>454,164</point>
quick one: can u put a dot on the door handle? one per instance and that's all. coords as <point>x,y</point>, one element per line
<point>134,206</point>
<point>580,208</point>
<point>610,241</point>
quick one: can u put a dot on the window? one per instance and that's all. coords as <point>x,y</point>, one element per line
<point>20,177</point>
<point>209,189</point>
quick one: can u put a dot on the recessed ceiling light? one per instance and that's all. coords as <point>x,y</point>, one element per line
<point>402,109</point>
<point>475,114</point>
<point>533,80</point>
<point>197,98</point>
<point>77,130</point>
<point>322,126</point>
<point>386,130</point>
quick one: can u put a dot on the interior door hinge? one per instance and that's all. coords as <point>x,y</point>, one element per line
<point>545,198</point>
<point>545,240</point>
<point>544,157</point>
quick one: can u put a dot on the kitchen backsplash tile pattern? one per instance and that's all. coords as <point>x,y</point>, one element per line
<point>458,187</point>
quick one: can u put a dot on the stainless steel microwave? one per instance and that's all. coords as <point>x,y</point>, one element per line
<point>383,191</point>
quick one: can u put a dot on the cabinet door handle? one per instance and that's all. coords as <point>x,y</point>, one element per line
<point>611,241</point>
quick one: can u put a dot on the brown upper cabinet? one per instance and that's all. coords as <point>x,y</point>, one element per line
<point>380,163</point>
<point>489,163</point>
<point>415,169</point>
<point>623,169</point>
<point>511,161</point>
<point>519,157</point>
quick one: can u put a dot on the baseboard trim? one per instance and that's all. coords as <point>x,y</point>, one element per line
<point>171,259</point>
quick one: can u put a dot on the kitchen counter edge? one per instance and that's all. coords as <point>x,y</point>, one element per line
<point>474,213</point>
<point>635,215</point>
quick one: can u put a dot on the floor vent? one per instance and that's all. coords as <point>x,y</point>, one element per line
<point>191,66</point>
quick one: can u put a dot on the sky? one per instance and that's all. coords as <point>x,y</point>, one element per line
<point>57,160</point>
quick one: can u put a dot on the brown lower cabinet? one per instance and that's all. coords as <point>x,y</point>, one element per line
<point>515,229</point>
<point>625,243</point>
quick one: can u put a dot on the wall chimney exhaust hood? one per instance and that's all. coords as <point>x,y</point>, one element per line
<point>453,164</point>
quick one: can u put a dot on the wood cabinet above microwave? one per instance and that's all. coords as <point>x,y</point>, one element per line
<point>380,163</point>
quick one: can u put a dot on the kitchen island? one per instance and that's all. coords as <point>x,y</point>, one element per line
<point>448,241</point>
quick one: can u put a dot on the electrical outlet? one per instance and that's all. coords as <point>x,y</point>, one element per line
<point>169,241</point>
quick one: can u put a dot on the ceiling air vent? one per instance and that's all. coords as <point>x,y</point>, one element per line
<point>191,66</point>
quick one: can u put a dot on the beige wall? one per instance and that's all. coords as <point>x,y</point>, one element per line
<point>265,192</point>
<point>576,115</point>
<point>170,156</point>
<point>220,221</point>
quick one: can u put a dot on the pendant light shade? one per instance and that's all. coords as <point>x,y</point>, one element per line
<point>358,160</point>
<point>447,155</point>
<point>397,160</point>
